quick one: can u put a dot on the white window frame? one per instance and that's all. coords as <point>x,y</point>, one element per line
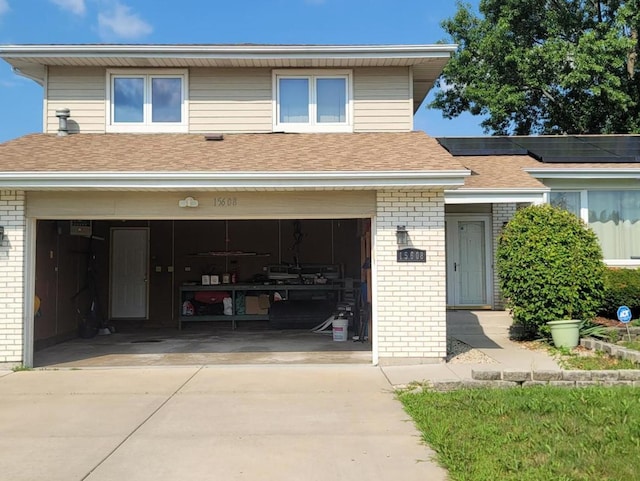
<point>147,125</point>
<point>584,215</point>
<point>312,125</point>
<point>583,212</point>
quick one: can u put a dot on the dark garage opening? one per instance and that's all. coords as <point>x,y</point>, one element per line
<point>199,291</point>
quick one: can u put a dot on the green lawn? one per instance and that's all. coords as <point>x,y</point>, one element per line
<point>632,344</point>
<point>599,361</point>
<point>538,433</point>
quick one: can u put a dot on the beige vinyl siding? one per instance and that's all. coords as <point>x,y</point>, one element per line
<point>230,100</point>
<point>82,91</point>
<point>382,100</point>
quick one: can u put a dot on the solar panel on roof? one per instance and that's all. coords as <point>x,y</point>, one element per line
<point>623,146</point>
<point>569,148</point>
<point>482,146</point>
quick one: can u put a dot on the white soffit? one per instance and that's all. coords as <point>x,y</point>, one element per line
<point>427,61</point>
<point>428,58</point>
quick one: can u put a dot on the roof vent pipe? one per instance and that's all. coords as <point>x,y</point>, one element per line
<point>63,115</point>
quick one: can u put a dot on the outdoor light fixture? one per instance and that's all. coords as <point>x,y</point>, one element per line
<point>188,202</point>
<point>402,235</point>
<point>1,234</point>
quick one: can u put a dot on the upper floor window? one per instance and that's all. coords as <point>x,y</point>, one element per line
<point>147,101</point>
<point>312,101</point>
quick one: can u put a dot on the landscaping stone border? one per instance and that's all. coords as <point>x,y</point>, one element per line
<point>612,349</point>
<point>634,332</point>
<point>509,378</point>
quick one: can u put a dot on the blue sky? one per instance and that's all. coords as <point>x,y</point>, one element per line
<point>214,21</point>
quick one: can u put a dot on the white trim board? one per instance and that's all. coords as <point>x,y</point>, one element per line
<point>276,181</point>
<point>487,196</point>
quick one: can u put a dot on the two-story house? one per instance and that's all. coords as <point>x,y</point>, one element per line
<point>164,171</point>
<point>182,183</point>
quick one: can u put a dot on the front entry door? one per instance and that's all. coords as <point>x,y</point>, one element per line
<point>468,269</point>
<point>129,271</point>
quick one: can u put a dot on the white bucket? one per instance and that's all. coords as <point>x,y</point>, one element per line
<point>340,329</point>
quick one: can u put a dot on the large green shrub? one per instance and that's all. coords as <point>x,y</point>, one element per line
<point>621,288</point>
<point>550,267</point>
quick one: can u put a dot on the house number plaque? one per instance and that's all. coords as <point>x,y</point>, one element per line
<point>225,202</point>
<point>412,255</point>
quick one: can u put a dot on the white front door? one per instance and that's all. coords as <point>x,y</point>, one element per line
<point>129,271</point>
<point>468,241</point>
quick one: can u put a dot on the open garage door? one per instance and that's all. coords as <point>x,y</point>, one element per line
<point>200,291</point>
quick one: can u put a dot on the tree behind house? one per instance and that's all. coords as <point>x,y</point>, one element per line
<point>545,66</point>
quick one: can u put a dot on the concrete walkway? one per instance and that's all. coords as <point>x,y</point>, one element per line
<point>487,331</point>
<point>283,422</point>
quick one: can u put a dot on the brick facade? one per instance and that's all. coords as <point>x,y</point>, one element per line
<point>501,213</point>
<point>411,297</point>
<point>12,218</point>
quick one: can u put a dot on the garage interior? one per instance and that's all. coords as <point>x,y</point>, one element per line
<point>123,292</point>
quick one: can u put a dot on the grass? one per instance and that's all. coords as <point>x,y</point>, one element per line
<point>632,344</point>
<point>531,434</point>
<point>21,368</point>
<point>596,362</point>
<point>584,359</point>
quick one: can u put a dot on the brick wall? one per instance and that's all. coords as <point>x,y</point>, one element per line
<point>501,213</point>
<point>411,297</point>
<point>11,275</point>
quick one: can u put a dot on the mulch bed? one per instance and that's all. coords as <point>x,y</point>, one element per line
<point>608,322</point>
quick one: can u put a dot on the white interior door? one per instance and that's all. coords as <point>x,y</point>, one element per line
<point>129,271</point>
<point>468,267</point>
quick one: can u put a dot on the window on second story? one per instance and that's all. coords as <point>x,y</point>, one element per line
<point>312,101</point>
<point>147,101</point>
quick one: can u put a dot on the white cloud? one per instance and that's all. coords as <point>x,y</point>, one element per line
<point>74,6</point>
<point>120,21</point>
<point>4,6</point>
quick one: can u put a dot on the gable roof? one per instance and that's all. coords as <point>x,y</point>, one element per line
<point>426,61</point>
<point>353,160</point>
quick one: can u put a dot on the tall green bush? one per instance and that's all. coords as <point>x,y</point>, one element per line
<point>550,267</point>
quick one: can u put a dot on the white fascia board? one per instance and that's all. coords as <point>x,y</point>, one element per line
<point>586,173</point>
<point>227,180</point>
<point>494,196</point>
<point>231,51</point>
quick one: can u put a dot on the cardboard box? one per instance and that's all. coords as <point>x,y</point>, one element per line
<point>263,301</point>
<point>254,304</point>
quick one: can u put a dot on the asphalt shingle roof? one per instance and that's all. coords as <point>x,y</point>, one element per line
<point>500,172</point>
<point>411,151</point>
<point>349,152</point>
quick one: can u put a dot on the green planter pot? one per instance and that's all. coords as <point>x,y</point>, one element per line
<point>565,333</point>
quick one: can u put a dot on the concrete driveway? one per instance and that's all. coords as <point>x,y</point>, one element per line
<point>270,422</point>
